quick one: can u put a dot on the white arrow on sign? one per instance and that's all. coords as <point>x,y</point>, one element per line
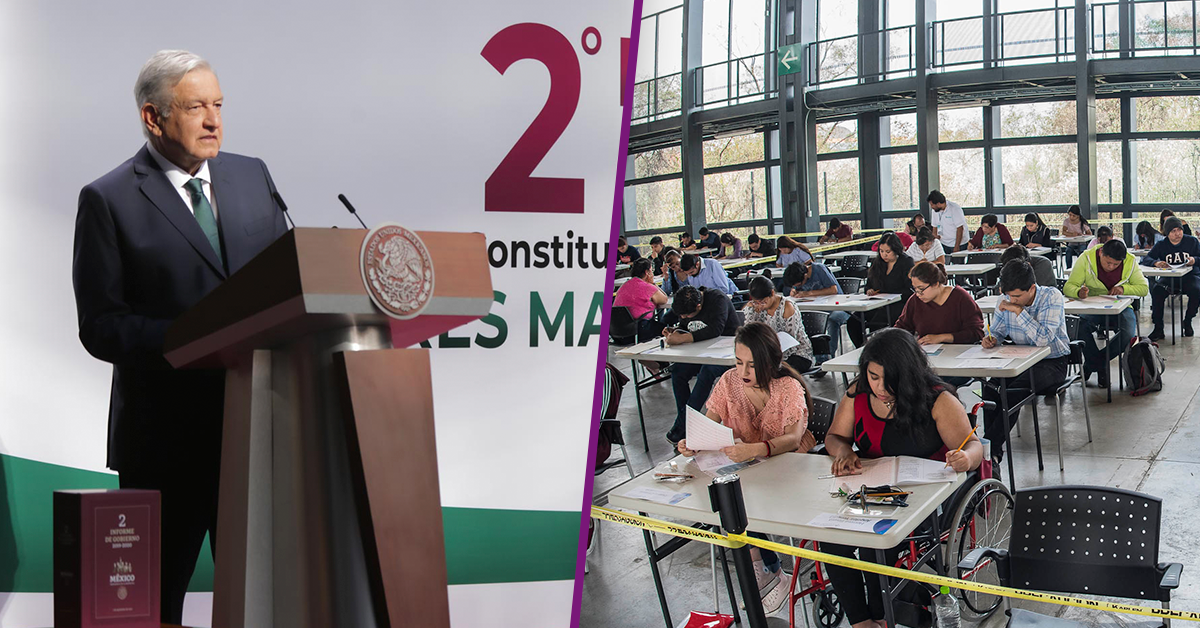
<point>789,57</point>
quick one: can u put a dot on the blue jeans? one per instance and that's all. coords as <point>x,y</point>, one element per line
<point>681,374</point>
<point>834,328</point>
<point>770,559</point>
<point>1094,359</point>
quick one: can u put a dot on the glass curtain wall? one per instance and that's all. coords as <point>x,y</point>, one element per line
<point>1027,161</point>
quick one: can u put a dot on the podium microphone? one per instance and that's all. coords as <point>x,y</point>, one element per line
<point>283,206</point>
<point>342,198</point>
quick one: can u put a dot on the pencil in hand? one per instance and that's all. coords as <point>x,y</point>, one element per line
<point>964,444</point>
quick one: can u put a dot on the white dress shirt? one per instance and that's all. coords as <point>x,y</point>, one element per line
<point>948,221</point>
<point>179,178</point>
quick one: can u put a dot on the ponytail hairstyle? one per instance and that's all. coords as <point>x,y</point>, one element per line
<point>640,267</point>
<point>924,234</point>
<point>1074,209</point>
<point>788,243</point>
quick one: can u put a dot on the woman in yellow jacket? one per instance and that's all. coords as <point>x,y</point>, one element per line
<point>1108,269</point>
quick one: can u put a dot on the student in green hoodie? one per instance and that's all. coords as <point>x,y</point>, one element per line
<point>1108,269</point>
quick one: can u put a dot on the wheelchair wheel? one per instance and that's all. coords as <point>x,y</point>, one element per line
<point>984,519</point>
<point>826,609</point>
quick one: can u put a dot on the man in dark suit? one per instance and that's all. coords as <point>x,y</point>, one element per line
<point>152,238</point>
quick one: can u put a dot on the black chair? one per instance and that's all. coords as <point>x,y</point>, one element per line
<point>850,285</point>
<point>816,325</point>
<point>622,328</point>
<point>819,422</point>
<point>979,285</point>
<point>1081,539</point>
<point>855,266</point>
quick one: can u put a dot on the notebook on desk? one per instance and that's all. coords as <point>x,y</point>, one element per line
<point>895,471</point>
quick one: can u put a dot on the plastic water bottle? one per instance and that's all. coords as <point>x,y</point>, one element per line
<point>946,608</point>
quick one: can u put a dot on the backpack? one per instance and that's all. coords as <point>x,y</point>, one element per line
<point>1144,366</point>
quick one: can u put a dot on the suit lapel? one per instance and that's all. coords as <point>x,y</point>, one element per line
<point>228,216</point>
<point>157,188</point>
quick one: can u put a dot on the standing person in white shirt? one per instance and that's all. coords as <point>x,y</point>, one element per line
<point>948,221</point>
<point>927,248</point>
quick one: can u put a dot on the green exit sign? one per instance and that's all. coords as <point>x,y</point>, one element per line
<point>789,59</point>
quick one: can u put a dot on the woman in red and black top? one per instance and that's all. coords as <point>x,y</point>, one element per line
<point>896,407</point>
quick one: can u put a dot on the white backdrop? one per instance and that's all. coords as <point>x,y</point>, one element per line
<point>389,103</point>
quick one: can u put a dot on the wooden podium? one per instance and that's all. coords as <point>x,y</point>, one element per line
<point>330,512</point>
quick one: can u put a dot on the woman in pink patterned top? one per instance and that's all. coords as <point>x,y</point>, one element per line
<point>767,405</point>
<point>642,297</point>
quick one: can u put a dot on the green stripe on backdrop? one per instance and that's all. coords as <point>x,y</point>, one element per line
<point>482,545</point>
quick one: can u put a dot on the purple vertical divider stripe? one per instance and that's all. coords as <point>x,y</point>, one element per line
<point>602,352</point>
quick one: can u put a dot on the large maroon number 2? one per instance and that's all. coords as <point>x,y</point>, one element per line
<point>511,188</point>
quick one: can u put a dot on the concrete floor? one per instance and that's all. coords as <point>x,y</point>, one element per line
<point>1149,444</point>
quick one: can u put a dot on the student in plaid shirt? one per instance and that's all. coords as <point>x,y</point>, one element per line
<point>1029,315</point>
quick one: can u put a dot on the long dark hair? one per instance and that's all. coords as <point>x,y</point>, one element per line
<point>763,343</point>
<point>1074,209</point>
<point>907,376</point>
<point>786,242</point>
<point>1145,233</point>
<point>1031,217</point>
<point>878,270</point>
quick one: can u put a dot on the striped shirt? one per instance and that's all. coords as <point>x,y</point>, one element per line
<point>1041,324</point>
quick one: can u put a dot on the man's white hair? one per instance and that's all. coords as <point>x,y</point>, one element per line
<point>160,75</point>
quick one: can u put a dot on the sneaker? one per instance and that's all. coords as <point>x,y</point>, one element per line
<point>1187,328</point>
<point>765,577</point>
<point>1157,334</point>
<point>774,600</point>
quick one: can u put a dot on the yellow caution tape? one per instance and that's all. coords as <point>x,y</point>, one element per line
<point>654,525</point>
<point>739,540</point>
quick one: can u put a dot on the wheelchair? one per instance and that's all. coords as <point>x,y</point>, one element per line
<point>977,515</point>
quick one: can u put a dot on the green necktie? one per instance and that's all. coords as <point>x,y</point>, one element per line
<point>204,215</point>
